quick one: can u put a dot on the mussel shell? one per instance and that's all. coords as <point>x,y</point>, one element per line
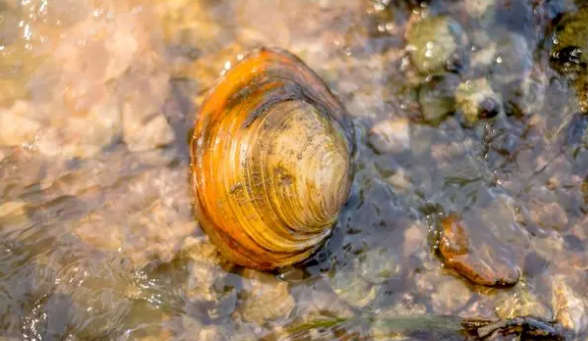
<point>271,161</point>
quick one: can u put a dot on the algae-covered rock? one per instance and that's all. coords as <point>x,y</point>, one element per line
<point>570,42</point>
<point>437,97</point>
<point>434,43</point>
<point>569,52</point>
<point>476,100</point>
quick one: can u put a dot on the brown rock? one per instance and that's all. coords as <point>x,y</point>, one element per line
<point>549,216</point>
<point>486,263</point>
<point>390,136</point>
<point>570,307</point>
<point>17,125</point>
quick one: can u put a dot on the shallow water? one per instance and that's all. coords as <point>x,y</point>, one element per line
<point>97,236</point>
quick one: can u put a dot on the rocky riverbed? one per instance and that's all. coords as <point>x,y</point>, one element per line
<point>469,199</point>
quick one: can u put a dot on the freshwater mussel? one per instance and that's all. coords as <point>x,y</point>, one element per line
<point>271,161</point>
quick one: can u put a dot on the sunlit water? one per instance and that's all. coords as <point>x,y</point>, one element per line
<point>97,235</point>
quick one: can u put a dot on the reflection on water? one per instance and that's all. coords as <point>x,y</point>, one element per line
<point>463,109</point>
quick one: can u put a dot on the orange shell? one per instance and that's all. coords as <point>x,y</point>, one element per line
<point>271,161</point>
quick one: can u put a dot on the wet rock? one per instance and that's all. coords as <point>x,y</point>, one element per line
<point>550,246</point>
<point>484,264</point>
<point>140,137</point>
<point>147,215</point>
<point>522,90</point>
<point>144,126</point>
<point>476,100</point>
<point>479,8</point>
<point>415,239</point>
<point>569,52</point>
<point>535,264</point>
<point>18,127</point>
<point>13,216</point>
<point>437,99</point>
<point>434,43</point>
<point>196,330</point>
<point>549,216</point>
<point>379,265</point>
<point>407,305</point>
<point>352,288</point>
<point>513,60</point>
<point>86,106</point>
<point>97,286</point>
<point>576,132</point>
<point>9,19</point>
<point>390,136</point>
<point>192,26</point>
<point>108,238</point>
<point>574,244</point>
<point>399,180</point>
<point>82,136</point>
<point>526,97</point>
<point>264,298</point>
<point>450,296</point>
<point>148,322</point>
<point>318,299</point>
<point>18,66</point>
<point>501,218</point>
<point>522,302</point>
<point>570,43</point>
<point>569,306</point>
<point>206,284</point>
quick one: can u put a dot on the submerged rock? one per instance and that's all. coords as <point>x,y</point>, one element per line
<point>522,302</point>
<point>435,43</point>
<point>146,217</point>
<point>103,81</point>
<point>570,307</point>
<point>476,100</point>
<point>18,125</point>
<point>437,97</point>
<point>484,263</point>
<point>206,285</point>
<point>82,136</point>
<point>570,43</point>
<point>513,59</point>
<point>141,136</point>
<point>569,54</point>
<point>264,298</point>
<point>512,74</point>
<point>196,330</point>
<point>549,216</point>
<point>450,296</point>
<point>379,265</point>
<point>144,125</point>
<point>352,288</point>
<point>93,294</point>
<point>13,216</point>
<point>390,136</point>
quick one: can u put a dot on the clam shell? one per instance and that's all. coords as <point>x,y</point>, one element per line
<point>271,161</point>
